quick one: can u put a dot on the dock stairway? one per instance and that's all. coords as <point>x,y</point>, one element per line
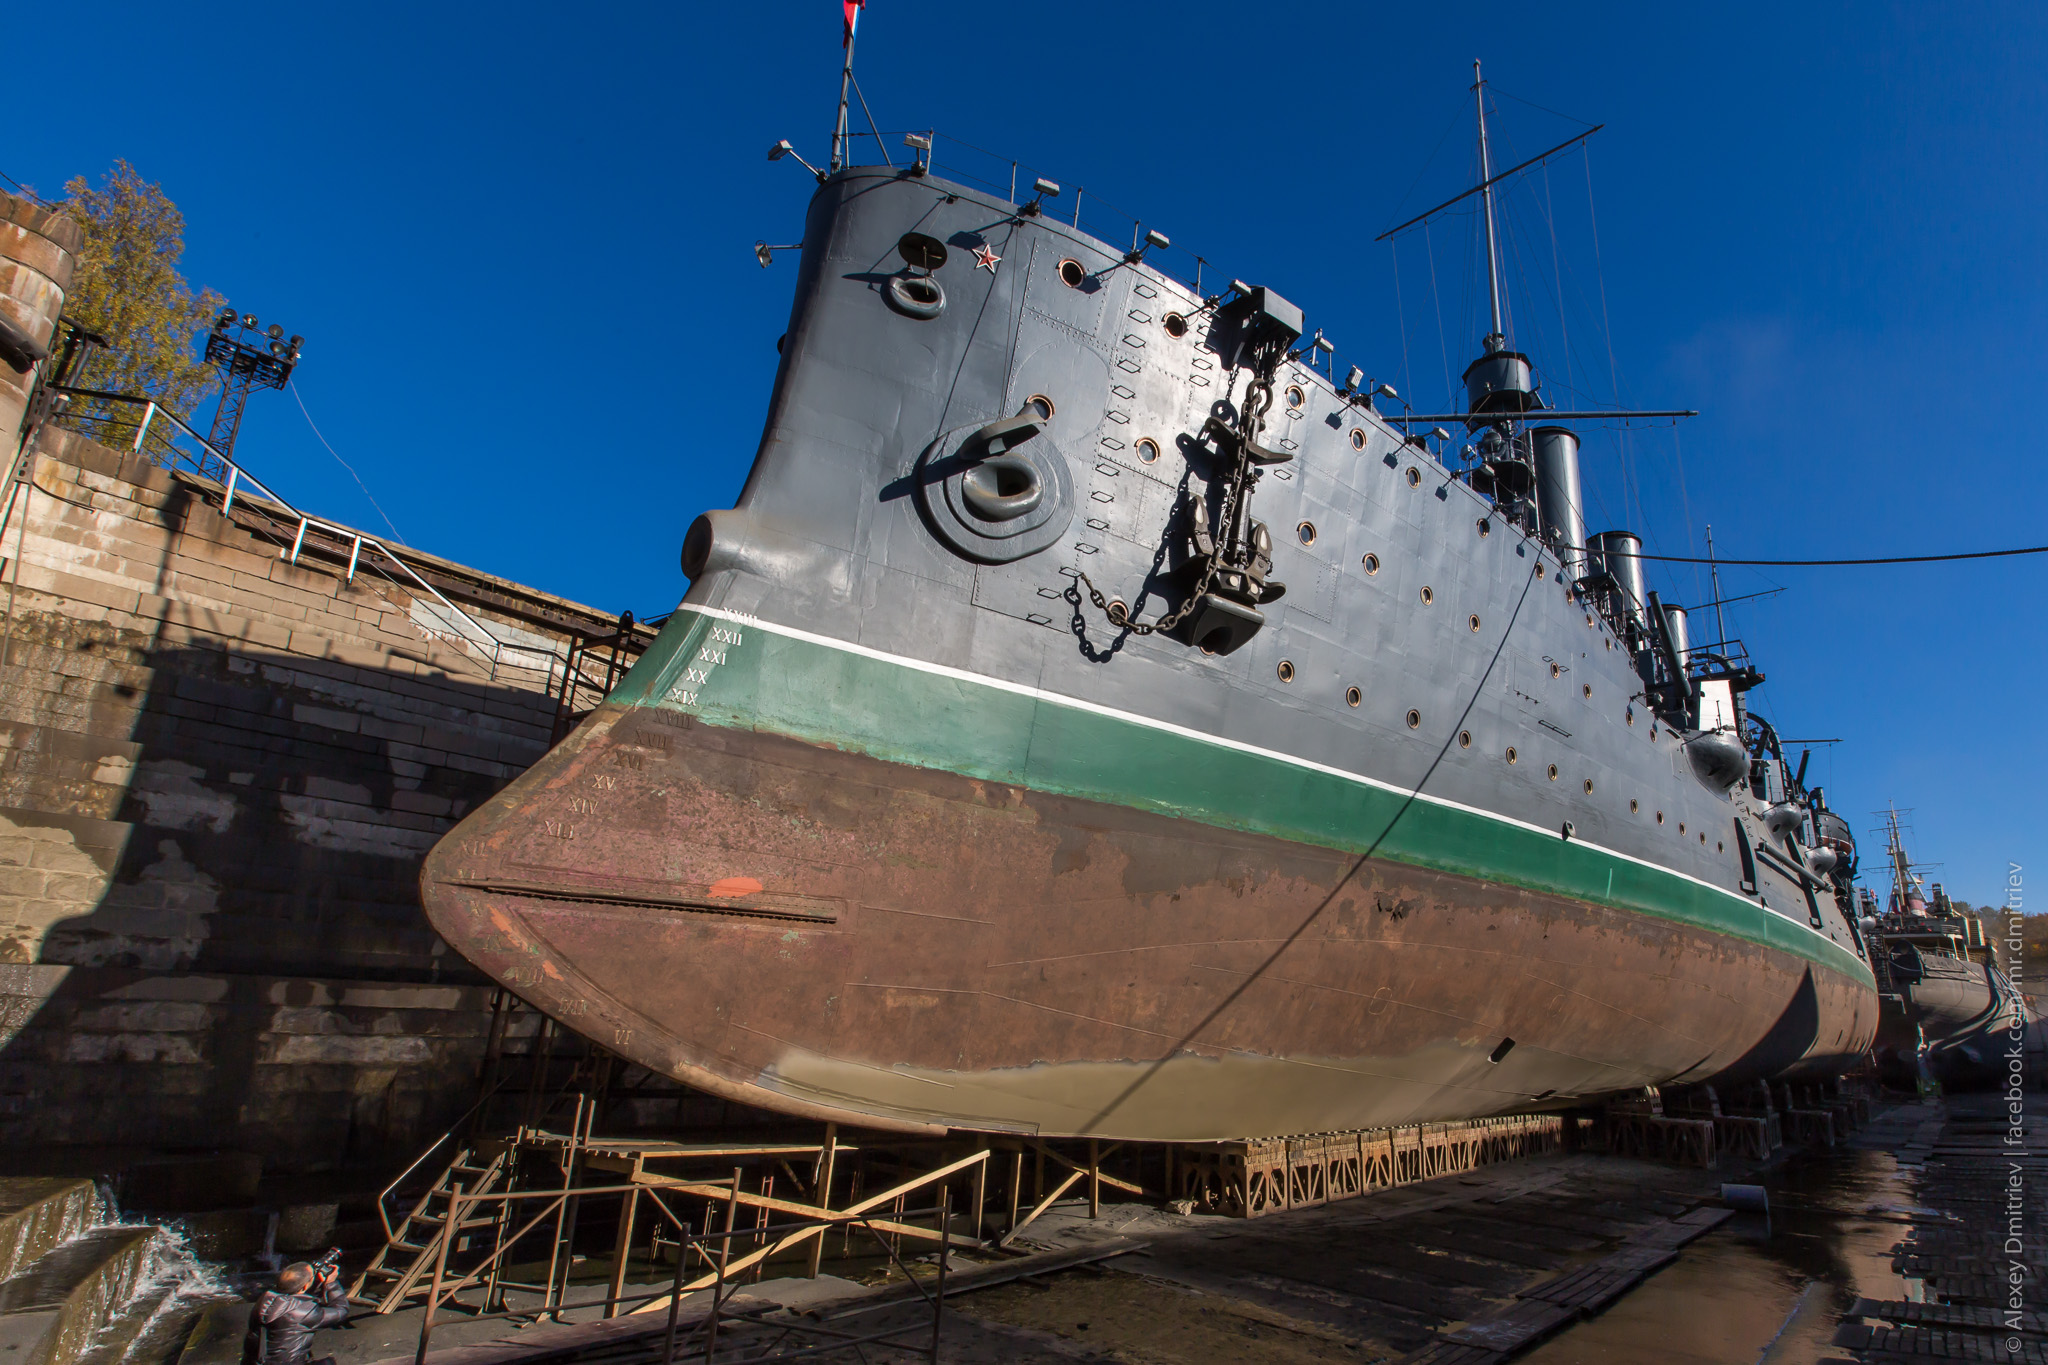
<point>403,1267</point>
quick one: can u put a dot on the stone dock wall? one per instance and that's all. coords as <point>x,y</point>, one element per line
<point>219,772</point>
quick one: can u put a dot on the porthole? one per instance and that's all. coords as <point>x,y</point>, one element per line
<point>1630,715</point>
<point>1610,641</point>
<point>1681,826</point>
<point>1371,563</point>
<point>1660,817</point>
<point>1485,528</point>
<point>1703,836</point>
<point>1633,806</point>
<point>1148,450</point>
<point>1040,406</point>
<point>1414,477</point>
<point>1414,720</point>
<point>1586,690</point>
<point>1511,753</point>
<point>1555,671</point>
<point>1072,273</point>
<point>1306,533</point>
<point>1589,786</point>
<point>1428,596</point>
<point>1295,397</point>
<point>1357,439</point>
<point>1286,671</point>
<point>1552,770</point>
<point>1475,621</point>
<point>1175,325</point>
<point>1464,739</point>
<point>1352,696</point>
<point>1719,847</point>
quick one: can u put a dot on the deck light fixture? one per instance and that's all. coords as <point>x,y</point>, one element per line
<point>783,149</point>
<point>921,145</point>
<point>1153,238</point>
<point>1042,190</point>
<point>765,253</point>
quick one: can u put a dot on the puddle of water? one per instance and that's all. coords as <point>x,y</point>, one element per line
<point>1736,1298</point>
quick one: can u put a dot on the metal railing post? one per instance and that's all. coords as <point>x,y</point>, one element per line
<point>148,415</point>
<point>227,503</point>
<point>732,1210</point>
<point>945,1253</point>
<point>675,1297</point>
<point>355,552</point>
<point>298,542</point>
<point>448,1228</point>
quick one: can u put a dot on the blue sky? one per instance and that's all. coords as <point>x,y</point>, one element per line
<point>517,240</point>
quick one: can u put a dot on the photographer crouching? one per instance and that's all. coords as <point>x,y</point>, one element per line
<point>281,1325</point>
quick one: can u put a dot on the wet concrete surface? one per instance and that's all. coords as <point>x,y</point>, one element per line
<point>1884,1249</point>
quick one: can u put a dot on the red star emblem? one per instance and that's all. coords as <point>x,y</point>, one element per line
<point>985,258</point>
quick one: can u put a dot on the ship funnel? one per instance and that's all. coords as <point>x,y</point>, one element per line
<point>1558,501</point>
<point>1620,556</point>
<point>1679,627</point>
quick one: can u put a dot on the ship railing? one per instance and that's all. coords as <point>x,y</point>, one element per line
<point>951,158</point>
<point>181,447</point>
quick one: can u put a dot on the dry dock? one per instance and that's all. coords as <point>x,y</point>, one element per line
<point>1888,1246</point>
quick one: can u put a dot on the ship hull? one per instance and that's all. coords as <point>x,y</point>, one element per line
<point>1057,921</point>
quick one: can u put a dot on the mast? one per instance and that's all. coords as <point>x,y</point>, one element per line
<point>1495,339</point>
<point>1714,577</point>
<point>853,10</point>
<point>1903,880</point>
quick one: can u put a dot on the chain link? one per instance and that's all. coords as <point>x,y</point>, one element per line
<point>1258,401</point>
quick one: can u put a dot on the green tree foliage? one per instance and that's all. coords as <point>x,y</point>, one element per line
<point>126,287</point>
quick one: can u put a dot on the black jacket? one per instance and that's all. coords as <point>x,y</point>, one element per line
<point>281,1326</point>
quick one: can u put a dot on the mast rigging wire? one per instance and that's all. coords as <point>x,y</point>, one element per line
<point>1840,563</point>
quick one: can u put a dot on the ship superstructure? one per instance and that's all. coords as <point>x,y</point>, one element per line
<point>1947,1010</point>
<point>1093,718</point>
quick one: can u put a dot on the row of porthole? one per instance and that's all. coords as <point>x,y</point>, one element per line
<point>1073,274</point>
<point>1353,696</point>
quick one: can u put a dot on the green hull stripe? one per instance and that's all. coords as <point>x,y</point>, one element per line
<point>730,672</point>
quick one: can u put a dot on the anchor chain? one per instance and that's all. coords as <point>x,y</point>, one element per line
<point>1258,400</point>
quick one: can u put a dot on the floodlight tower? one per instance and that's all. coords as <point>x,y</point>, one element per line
<point>246,354</point>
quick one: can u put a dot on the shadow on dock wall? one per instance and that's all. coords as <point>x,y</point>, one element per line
<point>218,776</point>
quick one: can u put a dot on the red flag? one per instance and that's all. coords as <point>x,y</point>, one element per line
<point>853,9</point>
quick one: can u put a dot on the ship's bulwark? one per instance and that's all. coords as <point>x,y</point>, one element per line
<point>836,933</point>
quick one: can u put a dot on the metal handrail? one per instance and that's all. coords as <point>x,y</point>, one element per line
<point>484,640</point>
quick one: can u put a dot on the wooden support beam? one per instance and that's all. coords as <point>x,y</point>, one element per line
<point>1016,1188</point>
<point>821,1190</point>
<point>1043,1205</point>
<point>1108,1180</point>
<point>630,1206</point>
<point>792,1239</point>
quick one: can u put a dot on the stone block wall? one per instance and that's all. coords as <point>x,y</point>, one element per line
<point>219,772</point>
<point>36,247</point>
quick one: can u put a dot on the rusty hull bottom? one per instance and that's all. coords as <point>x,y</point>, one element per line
<point>834,936</point>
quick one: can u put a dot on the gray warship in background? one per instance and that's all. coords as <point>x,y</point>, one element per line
<point>1094,718</point>
<point>1948,1013</point>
